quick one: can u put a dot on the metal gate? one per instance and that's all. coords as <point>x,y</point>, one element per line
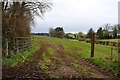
<point>24,43</point>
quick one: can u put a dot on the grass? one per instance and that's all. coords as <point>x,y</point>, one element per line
<point>111,40</point>
<point>45,61</point>
<point>75,65</point>
<point>73,47</point>
<point>102,55</point>
<point>53,76</point>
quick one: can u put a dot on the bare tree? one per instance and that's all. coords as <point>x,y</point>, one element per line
<point>107,27</point>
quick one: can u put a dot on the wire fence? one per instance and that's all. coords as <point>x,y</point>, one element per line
<point>113,49</point>
<point>107,43</point>
<point>24,43</point>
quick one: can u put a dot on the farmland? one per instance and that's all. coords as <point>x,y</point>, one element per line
<point>67,43</point>
<point>111,40</point>
<point>62,58</point>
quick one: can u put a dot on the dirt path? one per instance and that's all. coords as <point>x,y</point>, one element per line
<point>29,69</point>
<point>94,71</point>
<point>63,65</point>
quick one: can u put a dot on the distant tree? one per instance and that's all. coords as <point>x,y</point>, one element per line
<point>67,36</point>
<point>58,29</point>
<point>99,33</point>
<point>80,35</point>
<point>106,30</point>
<point>41,34</point>
<point>115,32</point>
<point>107,27</point>
<point>118,30</point>
<point>52,32</point>
<point>90,32</point>
<point>59,32</point>
<point>106,34</point>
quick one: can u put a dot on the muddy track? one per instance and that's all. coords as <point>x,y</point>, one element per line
<point>28,69</point>
<point>98,69</point>
<point>31,69</point>
<point>59,49</point>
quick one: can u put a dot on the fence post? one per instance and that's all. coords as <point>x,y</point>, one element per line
<point>111,50</point>
<point>6,47</point>
<point>17,45</point>
<point>92,45</point>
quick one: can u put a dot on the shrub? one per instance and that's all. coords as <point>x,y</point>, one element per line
<point>107,42</point>
<point>88,40</point>
<point>67,36</point>
<point>97,42</point>
<point>81,39</point>
<point>103,42</point>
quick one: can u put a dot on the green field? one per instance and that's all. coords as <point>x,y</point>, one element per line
<point>83,49</point>
<point>71,50</point>
<point>111,40</point>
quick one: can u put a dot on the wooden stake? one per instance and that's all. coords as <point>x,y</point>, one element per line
<point>92,45</point>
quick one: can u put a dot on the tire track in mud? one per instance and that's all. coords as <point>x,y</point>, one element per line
<point>102,73</point>
<point>28,69</point>
<point>65,70</point>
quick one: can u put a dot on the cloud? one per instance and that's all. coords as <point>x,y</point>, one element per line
<point>79,15</point>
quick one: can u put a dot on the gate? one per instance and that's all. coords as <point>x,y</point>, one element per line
<point>24,43</point>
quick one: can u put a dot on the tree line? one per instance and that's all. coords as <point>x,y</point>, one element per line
<point>107,32</point>
<point>41,34</point>
<point>59,33</point>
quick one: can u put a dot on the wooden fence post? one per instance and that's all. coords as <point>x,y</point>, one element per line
<point>92,45</point>
<point>6,47</point>
<point>111,50</point>
<point>17,40</point>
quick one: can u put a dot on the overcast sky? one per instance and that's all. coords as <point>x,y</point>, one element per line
<point>78,15</point>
